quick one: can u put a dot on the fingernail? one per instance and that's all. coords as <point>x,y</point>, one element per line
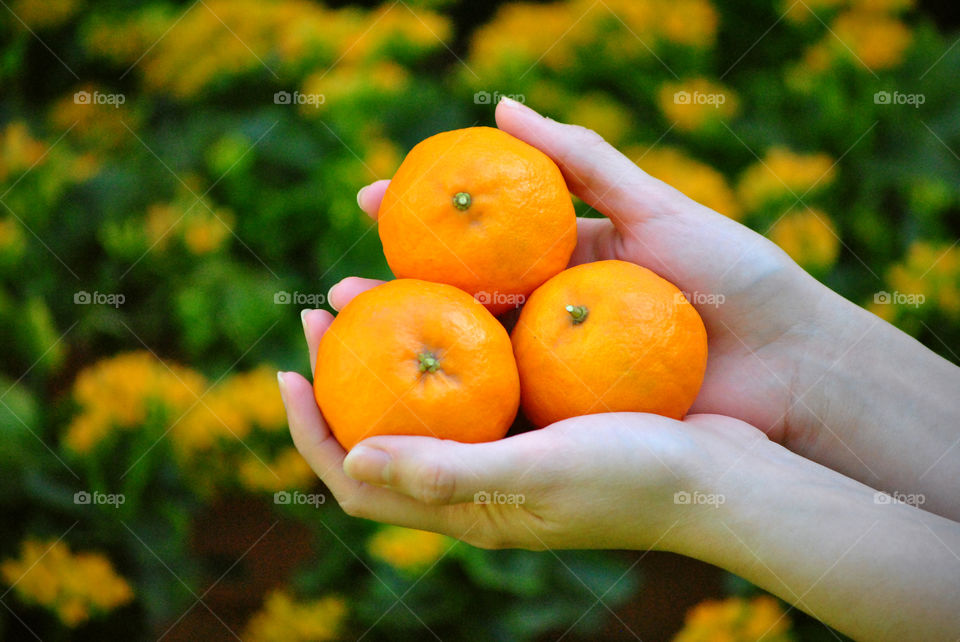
<point>281,383</point>
<point>330,292</point>
<point>303,317</point>
<point>510,103</point>
<point>360,195</point>
<point>368,465</point>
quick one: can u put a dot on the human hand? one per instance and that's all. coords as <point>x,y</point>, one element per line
<point>610,481</point>
<point>600,481</point>
<point>786,354</point>
<point>769,303</point>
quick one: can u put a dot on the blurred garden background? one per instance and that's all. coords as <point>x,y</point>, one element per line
<point>178,180</point>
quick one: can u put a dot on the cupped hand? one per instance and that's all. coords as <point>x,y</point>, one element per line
<point>759,307</point>
<point>600,481</point>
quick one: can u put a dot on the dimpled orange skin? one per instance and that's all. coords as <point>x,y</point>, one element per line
<point>641,348</point>
<point>370,378</point>
<point>518,230</point>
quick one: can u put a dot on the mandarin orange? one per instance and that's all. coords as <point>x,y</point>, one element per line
<point>608,336</point>
<point>481,210</point>
<point>411,357</point>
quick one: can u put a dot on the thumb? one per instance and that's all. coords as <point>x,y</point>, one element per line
<point>437,471</point>
<point>604,178</point>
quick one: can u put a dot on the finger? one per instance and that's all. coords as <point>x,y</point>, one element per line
<point>439,471</point>
<point>604,178</point>
<point>309,431</point>
<point>595,241</point>
<point>344,291</point>
<point>369,197</point>
<point>321,450</point>
<point>315,323</point>
<point>657,226</point>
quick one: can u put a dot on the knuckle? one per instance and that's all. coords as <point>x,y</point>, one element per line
<point>436,484</point>
<point>353,506</point>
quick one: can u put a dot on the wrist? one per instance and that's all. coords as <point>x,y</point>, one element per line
<point>729,463</point>
<point>863,389</point>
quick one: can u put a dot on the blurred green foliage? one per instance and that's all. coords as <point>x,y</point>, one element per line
<point>178,179</point>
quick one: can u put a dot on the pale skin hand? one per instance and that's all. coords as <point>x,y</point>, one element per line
<point>814,372</point>
<point>607,481</point>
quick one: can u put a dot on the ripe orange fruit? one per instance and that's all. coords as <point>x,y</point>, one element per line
<point>410,357</point>
<point>481,210</point>
<point>608,336</point>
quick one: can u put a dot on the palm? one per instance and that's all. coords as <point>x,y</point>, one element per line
<point>543,491</point>
<point>753,316</point>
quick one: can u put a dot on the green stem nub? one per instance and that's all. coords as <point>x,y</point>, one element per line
<point>428,362</point>
<point>461,201</point>
<point>578,313</point>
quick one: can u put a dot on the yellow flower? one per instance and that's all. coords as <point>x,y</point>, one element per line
<point>205,232</point>
<point>346,81</point>
<point>522,34</point>
<point>395,24</point>
<point>125,41</point>
<point>818,57</point>
<point>161,220</point>
<point>283,619</point>
<point>11,238</point>
<point>929,275</point>
<point>382,158</point>
<point>694,102</point>
<point>289,470</point>
<point>782,173</point>
<point>75,586</point>
<point>877,40</point>
<point>803,12</point>
<point>224,38</point>
<point>602,114</point>
<point>231,410</point>
<point>736,619</point>
<point>230,37</point>
<point>118,392</point>
<point>688,22</point>
<point>697,180</point>
<point>407,549</point>
<point>18,150</point>
<point>200,225</point>
<point>890,6</point>
<point>40,14</point>
<point>98,124</point>
<point>809,237</point>
<point>884,311</point>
